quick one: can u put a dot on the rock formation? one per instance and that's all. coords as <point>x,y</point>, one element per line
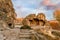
<point>41,16</point>
<point>38,23</point>
<point>34,20</point>
<point>7,12</point>
<point>28,20</point>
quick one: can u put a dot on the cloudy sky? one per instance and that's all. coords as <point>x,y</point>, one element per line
<point>26,7</point>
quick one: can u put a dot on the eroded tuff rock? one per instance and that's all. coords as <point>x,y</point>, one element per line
<point>3,25</point>
<point>25,34</point>
<point>29,19</point>
<point>7,12</point>
<point>35,20</point>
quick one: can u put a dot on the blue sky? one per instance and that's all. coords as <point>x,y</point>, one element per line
<point>26,7</point>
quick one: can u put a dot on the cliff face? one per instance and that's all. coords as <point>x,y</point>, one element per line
<point>7,12</point>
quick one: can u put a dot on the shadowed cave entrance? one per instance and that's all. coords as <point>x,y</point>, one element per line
<point>11,25</point>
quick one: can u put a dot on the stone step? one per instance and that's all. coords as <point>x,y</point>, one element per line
<point>25,33</point>
<point>25,39</point>
<point>24,36</point>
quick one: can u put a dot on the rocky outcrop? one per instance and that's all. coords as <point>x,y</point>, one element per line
<point>41,16</point>
<point>28,20</point>
<point>7,12</point>
<point>38,23</point>
<point>33,20</point>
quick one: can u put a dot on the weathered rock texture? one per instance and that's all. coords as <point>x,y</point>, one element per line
<point>7,12</point>
<point>28,20</point>
<point>23,34</point>
<point>35,20</point>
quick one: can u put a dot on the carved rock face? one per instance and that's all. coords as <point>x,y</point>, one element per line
<point>3,25</point>
<point>7,12</point>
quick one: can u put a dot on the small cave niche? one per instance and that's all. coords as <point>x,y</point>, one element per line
<point>31,20</point>
<point>36,20</point>
<point>42,22</point>
<point>10,24</point>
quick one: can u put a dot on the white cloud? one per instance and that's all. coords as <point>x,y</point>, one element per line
<point>22,12</point>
